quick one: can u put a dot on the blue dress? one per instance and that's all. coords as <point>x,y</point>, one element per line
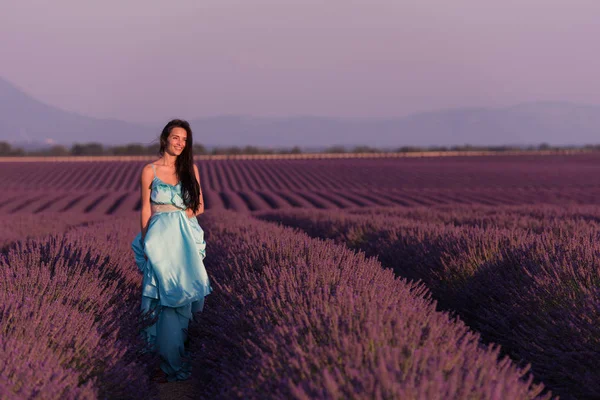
<point>174,279</point>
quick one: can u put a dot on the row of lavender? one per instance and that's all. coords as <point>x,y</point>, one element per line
<point>125,203</point>
<point>111,187</point>
<point>296,317</point>
<point>69,312</point>
<point>527,278</point>
<point>29,226</point>
<point>506,172</point>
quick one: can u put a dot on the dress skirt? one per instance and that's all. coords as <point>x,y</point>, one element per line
<point>174,284</point>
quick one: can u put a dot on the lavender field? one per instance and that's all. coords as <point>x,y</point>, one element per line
<point>453,278</point>
<point>247,186</point>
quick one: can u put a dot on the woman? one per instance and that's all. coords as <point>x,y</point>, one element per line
<point>170,248</point>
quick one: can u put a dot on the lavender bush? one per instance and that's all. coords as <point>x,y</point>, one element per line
<point>29,371</point>
<point>70,305</point>
<point>535,218</point>
<point>22,226</point>
<point>531,285</point>
<point>294,317</point>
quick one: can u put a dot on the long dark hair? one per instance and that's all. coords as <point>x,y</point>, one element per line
<point>184,164</point>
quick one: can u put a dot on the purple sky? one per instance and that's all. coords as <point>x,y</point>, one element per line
<point>147,60</point>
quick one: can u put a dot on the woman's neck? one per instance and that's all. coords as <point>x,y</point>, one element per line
<point>168,160</point>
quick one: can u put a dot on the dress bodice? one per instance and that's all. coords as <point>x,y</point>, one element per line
<point>164,193</point>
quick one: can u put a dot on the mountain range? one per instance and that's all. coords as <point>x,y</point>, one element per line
<point>27,121</point>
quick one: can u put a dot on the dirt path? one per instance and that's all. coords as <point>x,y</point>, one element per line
<point>176,390</point>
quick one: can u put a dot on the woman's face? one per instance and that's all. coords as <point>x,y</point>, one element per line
<point>176,141</point>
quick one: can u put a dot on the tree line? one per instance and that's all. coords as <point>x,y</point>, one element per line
<point>98,149</point>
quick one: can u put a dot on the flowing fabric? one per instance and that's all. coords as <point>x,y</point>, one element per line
<point>174,282</point>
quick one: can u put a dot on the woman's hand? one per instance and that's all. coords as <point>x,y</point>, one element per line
<point>189,213</point>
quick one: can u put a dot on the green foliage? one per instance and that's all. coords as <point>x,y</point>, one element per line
<point>88,149</point>
<point>7,150</point>
<point>336,149</point>
<point>365,149</point>
<point>97,149</point>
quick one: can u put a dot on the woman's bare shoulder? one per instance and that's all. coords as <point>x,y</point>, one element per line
<point>147,173</point>
<point>148,166</point>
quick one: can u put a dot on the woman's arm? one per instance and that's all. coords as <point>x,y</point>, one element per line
<point>145,187</point>
<point>189,211</point>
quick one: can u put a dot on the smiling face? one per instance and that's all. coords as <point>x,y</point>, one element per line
<point>176,141</point>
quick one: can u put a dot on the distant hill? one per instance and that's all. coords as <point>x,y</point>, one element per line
<point>24,119</point>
